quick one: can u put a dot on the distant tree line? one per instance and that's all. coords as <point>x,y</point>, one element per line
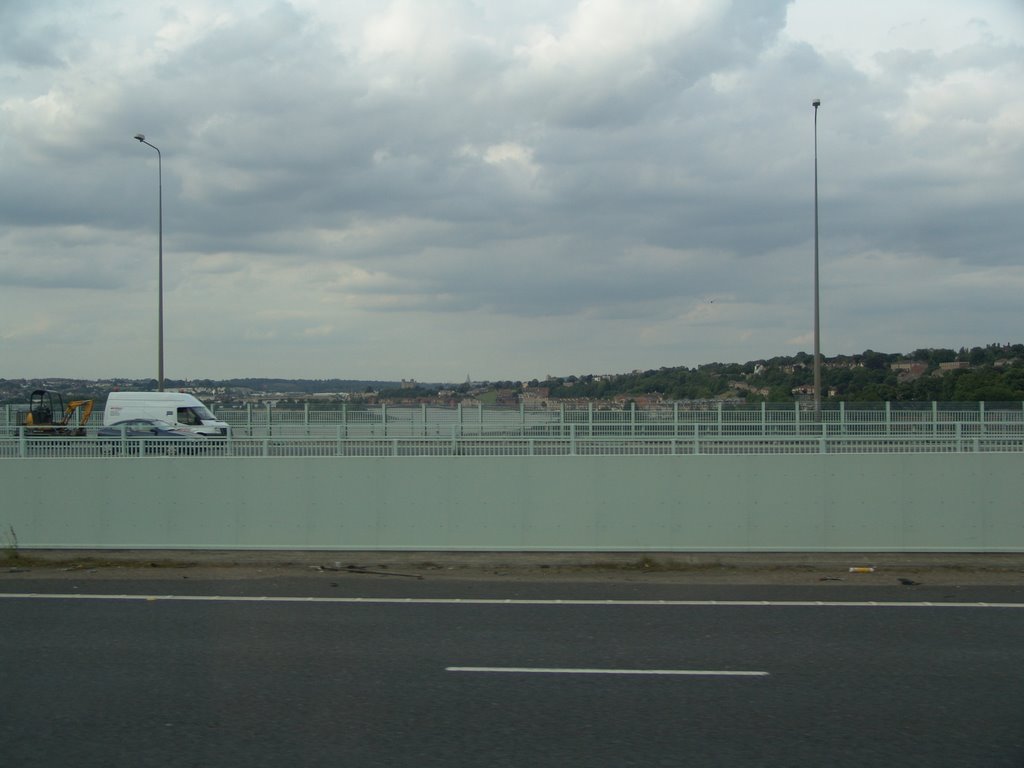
<point>994,373</point>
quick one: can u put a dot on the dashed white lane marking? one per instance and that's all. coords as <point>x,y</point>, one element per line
<point>585,671</point>
<point>511,601</point>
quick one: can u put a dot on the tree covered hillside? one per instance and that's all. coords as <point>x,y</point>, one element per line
<point>994,373</point>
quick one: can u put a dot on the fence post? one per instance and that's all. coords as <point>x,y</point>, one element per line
<point>22,443</point>
<point>696,438</point>
<point>572,439</point>
<point>590,418</point>
<point>823,439</point>
<point>983,417</point>
<point>935,418</point>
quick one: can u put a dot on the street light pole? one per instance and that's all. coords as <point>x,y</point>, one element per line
<point>817,320</point>
<point>160,281</point>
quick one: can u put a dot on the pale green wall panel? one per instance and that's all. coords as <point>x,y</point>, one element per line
<point>900,502</point>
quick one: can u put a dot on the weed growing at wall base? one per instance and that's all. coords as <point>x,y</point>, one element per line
<point>9,543</point>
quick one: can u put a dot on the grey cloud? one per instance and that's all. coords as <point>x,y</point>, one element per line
<point>29,40</point>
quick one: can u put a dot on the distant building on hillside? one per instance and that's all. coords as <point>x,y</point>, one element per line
<point>909,370</point>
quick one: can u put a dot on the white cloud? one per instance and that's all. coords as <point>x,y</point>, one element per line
<point>396,190</point>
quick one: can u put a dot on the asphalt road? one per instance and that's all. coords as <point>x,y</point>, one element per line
<point>125,672</point>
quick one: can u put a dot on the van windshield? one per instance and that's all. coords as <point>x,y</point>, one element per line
<point>194,416</point>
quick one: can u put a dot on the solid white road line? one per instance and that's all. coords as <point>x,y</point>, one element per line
<point>499,601</point>
<point>585,671</point>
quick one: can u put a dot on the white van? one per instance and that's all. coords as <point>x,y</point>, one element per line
<point>180,408</point>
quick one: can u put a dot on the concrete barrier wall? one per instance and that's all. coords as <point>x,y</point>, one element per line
<point>910,502</point>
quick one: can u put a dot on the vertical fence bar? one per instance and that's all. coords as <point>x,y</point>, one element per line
<point>572,439</point>
<point>935,418</point>
<point>590,418</point>
<point>982,417</point>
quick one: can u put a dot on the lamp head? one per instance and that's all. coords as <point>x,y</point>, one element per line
<point>142,136</point>
<point>816,103</point>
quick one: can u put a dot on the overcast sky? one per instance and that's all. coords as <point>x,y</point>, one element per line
<point>503,190</point>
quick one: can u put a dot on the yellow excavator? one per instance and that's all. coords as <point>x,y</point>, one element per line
<point>47,415</point>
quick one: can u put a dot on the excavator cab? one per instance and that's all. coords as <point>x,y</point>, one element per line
<point>47,414</point>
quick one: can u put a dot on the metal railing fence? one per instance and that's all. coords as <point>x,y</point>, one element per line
<point>578,440</point>
<point>602,418</point>
<point>591,428</point>
<point>596,419</point>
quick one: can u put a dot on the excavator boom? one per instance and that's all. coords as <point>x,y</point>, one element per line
<point>83,418</point>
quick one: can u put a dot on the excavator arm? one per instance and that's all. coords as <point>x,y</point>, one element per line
<point>74,405</point>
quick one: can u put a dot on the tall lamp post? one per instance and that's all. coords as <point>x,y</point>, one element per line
<point>141,137</point>
<point>817,320</point>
